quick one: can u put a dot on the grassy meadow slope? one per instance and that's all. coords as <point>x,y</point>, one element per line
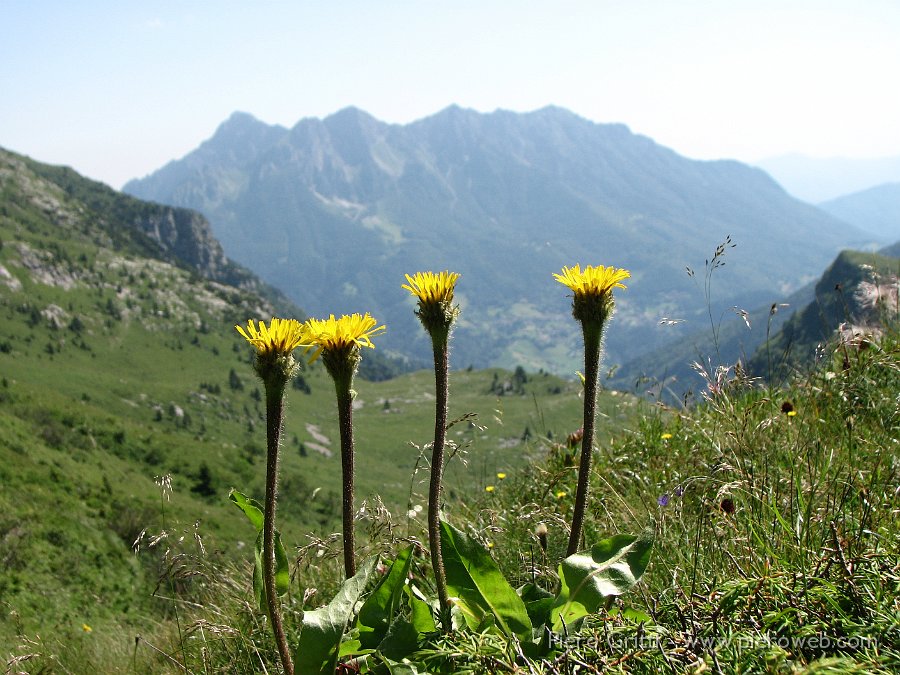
<point>120,365</point>
<point>128,410</point>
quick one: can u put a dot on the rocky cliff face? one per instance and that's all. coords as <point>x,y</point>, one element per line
<point>186,235</point>
<point>177,235</point>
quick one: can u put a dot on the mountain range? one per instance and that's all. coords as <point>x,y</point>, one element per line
<point>334,211</point>
<point>875,210</point>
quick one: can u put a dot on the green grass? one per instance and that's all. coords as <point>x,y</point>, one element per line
<point>777,547</point>
<point>117,370</point>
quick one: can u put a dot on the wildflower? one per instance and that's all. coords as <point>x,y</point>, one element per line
<point>593,288</point>
<point>666,436</point>
<point>501,476</point>
<point>281,336</point>
<point>792,413</point>
<point>274,345</point>
<point>432,288</point>
<point>340,336</point>
<point>338,342</point>
<point>592,306</point>
<point>561,493</point>
<point>787,407</point>
<point>275,365</point>
<point>437,313</point>
<point>592,280</point>
<point>489,488</point>
<point>541,532</point>
<point>86,628</point>
<point>663,500</point>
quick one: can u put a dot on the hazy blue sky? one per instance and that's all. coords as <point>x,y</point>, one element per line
<point>116,89</point>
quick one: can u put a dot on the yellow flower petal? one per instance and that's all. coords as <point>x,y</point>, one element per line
<point>281,336</point>
<point>334,334</point>
<point>592,280</point>
<point>431,287</point>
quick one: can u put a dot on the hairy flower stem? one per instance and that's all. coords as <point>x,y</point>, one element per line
<point>345,421</point>
<point>592,333</point>
<point>441,386</point>
<point>274,418</point>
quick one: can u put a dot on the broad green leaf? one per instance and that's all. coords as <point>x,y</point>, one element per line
<point>282,571</point>
<point>401,640</point>
<point>323,628</point>
<point>350,647</point>
<point>254,512</point>
<point>379,609</point>
<point>394,668</point>
<point>538,602</point>
<point>251,508</point>
<point>420,613</point>
<point>612,567</point>
<point>474,579</point>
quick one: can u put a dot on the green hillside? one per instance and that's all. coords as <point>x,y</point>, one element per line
<point>853,299</point>
<point>120,366</point>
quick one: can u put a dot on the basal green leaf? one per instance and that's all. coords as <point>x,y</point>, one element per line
<point>421,616</point>
<point>479,588</point>
<point>380,607</point>
<point>612,567</point>
<point>538,603</point>
<point>323,628</point>
<point>401,640</point>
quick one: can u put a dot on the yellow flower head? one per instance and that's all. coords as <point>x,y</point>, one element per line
<point>435,294</point>
<point>340,335</point>
<point>501,476</point>
<point>593,303</point>
<point>666,436</point>
<point>431,288</point>
<point>489,488</point>
<point>282,336</point>
<point>592,280</point>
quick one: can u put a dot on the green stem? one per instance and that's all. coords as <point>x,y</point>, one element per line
<point>274,417</point>
<point>592,334</point>
<point>441,385</point>
<point>345,421</point>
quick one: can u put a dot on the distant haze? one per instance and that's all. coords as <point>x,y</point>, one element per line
<point>818,180</point>
<point>118,89</point>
